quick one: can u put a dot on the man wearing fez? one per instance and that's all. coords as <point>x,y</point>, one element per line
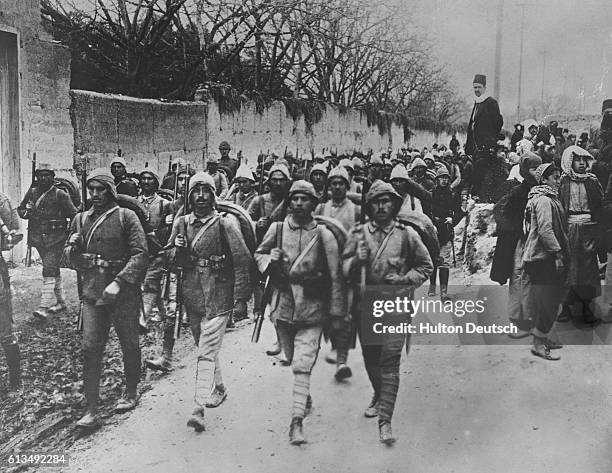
<point>484,126</point>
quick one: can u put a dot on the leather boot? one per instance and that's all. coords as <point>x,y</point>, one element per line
<point>13,360</point>
<point>432,282</point>
<point>444,274</point>
<point>60,298</point>
<point>296,434</point>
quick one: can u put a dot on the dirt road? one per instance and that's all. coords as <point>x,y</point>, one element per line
<point>460,409</point>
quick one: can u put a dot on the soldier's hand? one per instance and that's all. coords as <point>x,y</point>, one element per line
<point>395,278</point>
<point>276,254</point>
<point>76,239</point>
<point>263,222</point>
<point>111,292</point>
<point>448,221</point>
<point>240,310</point>
<point>180,241</point>
<point>29,206</point>
<point>362,251</point>
<point>169,219</point>
<point>337,324</point>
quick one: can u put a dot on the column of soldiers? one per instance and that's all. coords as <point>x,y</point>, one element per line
<point>317,242</point>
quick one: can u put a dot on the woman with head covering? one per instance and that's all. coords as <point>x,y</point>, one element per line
<point>545,257</point>
<point>582,198</point>
<point>507,259</point>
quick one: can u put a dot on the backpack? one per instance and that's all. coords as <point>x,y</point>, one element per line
<point>68,186</point>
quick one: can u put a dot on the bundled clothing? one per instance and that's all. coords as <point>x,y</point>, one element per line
<point>546,236</point>
<point>582,198</point>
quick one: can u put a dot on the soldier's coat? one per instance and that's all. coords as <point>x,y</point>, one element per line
<point>209,292</point>
<point>291,300</point>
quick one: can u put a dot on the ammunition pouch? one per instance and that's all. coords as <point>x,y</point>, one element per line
<point>315,285</point>
<point>215,262</point>
<point>49,226</point>
<point>92,261</point>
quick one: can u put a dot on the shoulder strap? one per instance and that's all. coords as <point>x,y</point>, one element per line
<point>202,230</point>
<point>97,223</point>
<point>262,207</point>
<point>279,234</point>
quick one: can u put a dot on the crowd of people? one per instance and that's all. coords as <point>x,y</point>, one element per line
<point>302,238</point>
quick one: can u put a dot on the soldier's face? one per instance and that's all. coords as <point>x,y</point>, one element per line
<point>301,205</point>
<point>278,183</point>
<point>338,188</point>
<point>182,180</point>
<point>98,193</point>
<point>148,183</point>
<point>212,167</point>
<point>117,169</point>
<point>398,185</point>
<point>245,185</point>
<point>224,152</point>
<point>443,181</point>
<point>44,178</point>
<point>318,179</point>
<point>553,180</point>
<point>383,209</point>
<point>202,200</point>
<point>419,171</point>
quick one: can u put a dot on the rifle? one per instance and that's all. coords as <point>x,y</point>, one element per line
<point>452,232</point>
<point>179,269</point>
<point>170,164</point>
<point>267,292</point>
<point>29,250</point>
<point>79,277</point>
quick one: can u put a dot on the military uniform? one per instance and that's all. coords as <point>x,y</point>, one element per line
<point>216,276</point>
<point>114,249</point>
<point>394,249</point>
<point>7,339</point>
<point>308,288</point>
<point>48,219</point>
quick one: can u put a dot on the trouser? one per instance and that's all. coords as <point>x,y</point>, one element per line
<point>301,345</point>
<point>546,293</point>
<point>341,341</point>
<point>382,363</point>
<point>482,163</point>
<point>50,257</point>
<point>123,315</point>
<point>152,287</point>
<point>208,337</point>
<point>7,338</point>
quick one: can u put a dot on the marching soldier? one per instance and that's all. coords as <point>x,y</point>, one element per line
<point>164,361</point>
<point>124,183</point>
<point>215,285</point>
<point>245,181</point>
<point>230,164</point>
<point>108,247</point>
<point>304,263</point>
<point>9,225</point>
<point>48,210</point>
<point>219,178</point>
<point>446,214</point>
<point>159,215</point>
<point>392,254</point>
<point>318,178</point>
<point>263,209</point>
<point>347,213</point>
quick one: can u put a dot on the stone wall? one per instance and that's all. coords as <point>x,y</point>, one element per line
<point>44,83</point>
<point>150,131</point>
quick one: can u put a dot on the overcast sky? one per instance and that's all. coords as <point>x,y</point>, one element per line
<point>576,35</point>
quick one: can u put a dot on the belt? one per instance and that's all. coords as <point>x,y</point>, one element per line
<point>214,262</point>
<point>91,260</point>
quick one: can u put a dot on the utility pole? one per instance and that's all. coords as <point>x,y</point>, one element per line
<point>520,77</point>
<point>498,48</point>
<point>544,53</point>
